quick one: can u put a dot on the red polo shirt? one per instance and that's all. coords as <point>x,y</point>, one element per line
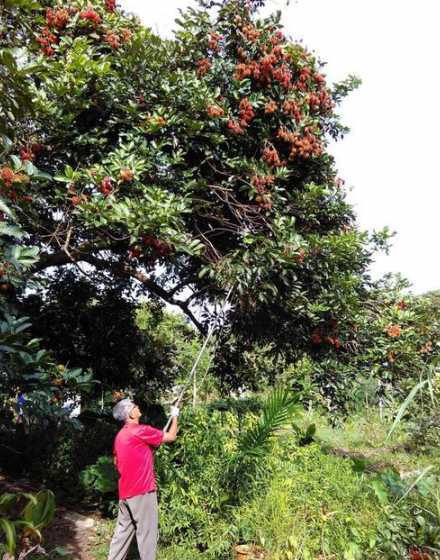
<point>134,454</point>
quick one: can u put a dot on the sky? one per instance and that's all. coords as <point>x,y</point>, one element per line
<point>390,158</point>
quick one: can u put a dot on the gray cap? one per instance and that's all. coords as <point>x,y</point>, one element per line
<point>122,409</point>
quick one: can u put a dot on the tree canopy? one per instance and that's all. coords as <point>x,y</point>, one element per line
<point>183,167</point>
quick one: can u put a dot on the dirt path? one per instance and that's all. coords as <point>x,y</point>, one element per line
<point>73,531</point>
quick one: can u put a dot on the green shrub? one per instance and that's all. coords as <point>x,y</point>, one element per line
<point>100,483</point>
<point>192,499</point>
<point>314,504</point>
<point>305,502</point>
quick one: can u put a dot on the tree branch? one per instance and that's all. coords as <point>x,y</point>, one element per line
<point>122,270</point>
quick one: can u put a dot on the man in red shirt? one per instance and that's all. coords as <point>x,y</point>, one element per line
<point>134,458</point>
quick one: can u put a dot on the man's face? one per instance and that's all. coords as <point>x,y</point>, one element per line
<point>135,412</point>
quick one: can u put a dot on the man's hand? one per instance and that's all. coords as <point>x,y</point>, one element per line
<point>170,436</point>
<point>174,413</point>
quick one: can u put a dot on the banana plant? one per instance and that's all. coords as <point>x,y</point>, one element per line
<point>24,515</point>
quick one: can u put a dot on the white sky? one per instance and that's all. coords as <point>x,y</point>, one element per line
<point>390,157</point>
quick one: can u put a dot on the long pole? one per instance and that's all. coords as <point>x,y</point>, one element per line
<point>199,357</point>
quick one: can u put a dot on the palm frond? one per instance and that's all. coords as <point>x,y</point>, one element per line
<point>280,406</point>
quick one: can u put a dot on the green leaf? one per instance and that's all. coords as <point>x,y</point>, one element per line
<point>380,490</point>
<point>5,209</point>
<point>62,179</point>
<point>280,406</point>
<point>11,230</point>
<point>10,534</point>
<point>7,500</point>
<point>406,403</point>
<point>16,161</point>
<point>40,514</point>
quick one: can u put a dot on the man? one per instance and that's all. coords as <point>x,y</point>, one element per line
<point>134,458</point>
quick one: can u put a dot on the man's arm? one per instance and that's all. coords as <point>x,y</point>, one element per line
<point>171,434</point>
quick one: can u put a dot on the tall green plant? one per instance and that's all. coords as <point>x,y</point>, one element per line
<point>280,406</point>
<point>247,465</point>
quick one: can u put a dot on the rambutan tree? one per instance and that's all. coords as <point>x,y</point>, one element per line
<point>31,382</point>
<point>190,165</point>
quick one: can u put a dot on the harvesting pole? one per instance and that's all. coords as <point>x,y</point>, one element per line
<point>193,371</point>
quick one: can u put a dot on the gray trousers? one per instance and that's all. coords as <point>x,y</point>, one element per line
<point>136,515</point>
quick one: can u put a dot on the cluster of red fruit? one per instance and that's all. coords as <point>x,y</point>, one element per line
<point>270,107</point>
<point>305,75</point>
<point>394,331</point>
<point>46,40</point>
<point>203,67</point>
<point>110,5</point>
<point>159,248</point>
<point>260,183</point>
<point>251,33</point>
<point>417,554</point>
<point>26,154</point>
<point>265,68</point>
<point>112,39</point>
<point>271,156</point>
<point>321,101</point>
<point>291,108</point>
<point>30,152</point>
<point>8,176</point>
<point>235,127</point>
<point>76,198</point>
<point>246,112</point>
<point>264,201</point>
<point>304,146</point>
<point>213,42</point>
<point>317,338</point>
<point>91,15</point>
<point>57,18</point>
<point>106,186</point>
<point>277,38</point>
<point>79,199</point>
<point>246,115</point>
<point>283,75</point>
<point>116,41</point>
<point>56,21</point>
<point>215,111</point>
